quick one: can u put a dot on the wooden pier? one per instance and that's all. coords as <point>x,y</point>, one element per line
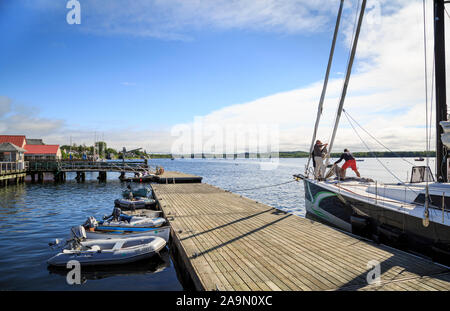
<point>168,177</point>
<point>12,173</point>
<point>229,242</point>
<point>61,167</point>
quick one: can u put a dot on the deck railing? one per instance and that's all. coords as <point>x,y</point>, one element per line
<point>84,165</point>
<point>12,167</point>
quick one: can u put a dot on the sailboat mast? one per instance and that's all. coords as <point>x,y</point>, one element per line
<point>325,82</point>
<point>347,78</point>
<point>441,100</point>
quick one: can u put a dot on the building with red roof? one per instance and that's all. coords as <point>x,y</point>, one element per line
<point>42,152</point>
<point>35,148</point>
<point>18,140</point>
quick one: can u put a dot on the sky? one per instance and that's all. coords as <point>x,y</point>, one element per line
<point>138,73</point>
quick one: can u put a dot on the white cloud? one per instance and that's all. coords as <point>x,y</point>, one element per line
<point>177,19</point>
<point>386,92</point>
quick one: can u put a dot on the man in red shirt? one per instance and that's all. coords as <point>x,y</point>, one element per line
<point>349,162</point>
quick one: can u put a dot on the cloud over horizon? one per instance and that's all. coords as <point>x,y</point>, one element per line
<point>386,92</point>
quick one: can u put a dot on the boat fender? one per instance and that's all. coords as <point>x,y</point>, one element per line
<point>358,221</point>
<point>389,232</point>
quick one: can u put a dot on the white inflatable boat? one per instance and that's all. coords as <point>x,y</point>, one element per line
<point>105,232</point>
<point>134,221</point>
<point>109,251</point>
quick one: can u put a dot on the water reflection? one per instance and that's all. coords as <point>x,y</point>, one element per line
<point>146,266</point>
<point>31,215</point>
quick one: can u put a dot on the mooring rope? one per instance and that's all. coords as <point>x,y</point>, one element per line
<point>382,164</point>
<point>374,138</point>
<point>262,187</point>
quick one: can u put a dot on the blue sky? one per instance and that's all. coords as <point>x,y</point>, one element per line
<point>101,80</point>
<point>145,66</point>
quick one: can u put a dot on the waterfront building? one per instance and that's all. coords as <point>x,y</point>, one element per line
<point>42,152</point>
<point>12,154</point>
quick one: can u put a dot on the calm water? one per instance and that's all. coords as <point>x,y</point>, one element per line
<point>31,215</point>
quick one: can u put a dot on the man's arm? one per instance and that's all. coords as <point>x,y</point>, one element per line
<point>340,159</point>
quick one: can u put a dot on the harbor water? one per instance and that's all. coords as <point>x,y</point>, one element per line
<point>31,215</point>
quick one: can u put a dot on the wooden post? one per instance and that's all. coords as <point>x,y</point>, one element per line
<point>122,176</point>
<point>102,176</point>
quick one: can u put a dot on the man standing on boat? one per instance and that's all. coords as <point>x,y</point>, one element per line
<point>349,162</point>
<point>319,153</point>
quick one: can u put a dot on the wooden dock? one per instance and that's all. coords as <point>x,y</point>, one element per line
<point>168,177</point>
<point>229,242</point>
<point>12,173</point>
<point>173,177</point>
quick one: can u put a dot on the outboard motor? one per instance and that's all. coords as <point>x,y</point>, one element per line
<point>116,213</point>
<point>78,233</point>
<point>91,222</point>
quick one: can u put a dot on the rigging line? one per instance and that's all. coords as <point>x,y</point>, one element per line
<point>346,80</point>
<point>382,164</point>
<point>348,56</point>
<point>376,138</point>
<point>268,186</point>
<point>325,83</point>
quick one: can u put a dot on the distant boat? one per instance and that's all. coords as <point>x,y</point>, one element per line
<point>419,159</point>
<point>359,160</point>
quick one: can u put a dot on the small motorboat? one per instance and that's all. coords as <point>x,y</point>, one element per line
<point>116,226</point>
<point>107,251</point>
<point>135,203</point>
<point>151,265</point>
<point>419,159</point>
<point>117,219</point>
<point>133,221</point>
<point>107,232</point>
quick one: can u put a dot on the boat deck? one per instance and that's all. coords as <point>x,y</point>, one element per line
<point>381,197</point>
<point>229,242</point>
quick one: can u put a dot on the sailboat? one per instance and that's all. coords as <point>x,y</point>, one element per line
<point>415,215</point>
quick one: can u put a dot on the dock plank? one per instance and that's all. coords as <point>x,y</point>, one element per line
<point>235,243</point>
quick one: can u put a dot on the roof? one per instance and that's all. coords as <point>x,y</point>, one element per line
<point>41,149</point>
<point>8,147</point>
<point>18,140</point>
<point>32,141</point>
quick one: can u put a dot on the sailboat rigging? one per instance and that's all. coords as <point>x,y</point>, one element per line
<point>414,215</point>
